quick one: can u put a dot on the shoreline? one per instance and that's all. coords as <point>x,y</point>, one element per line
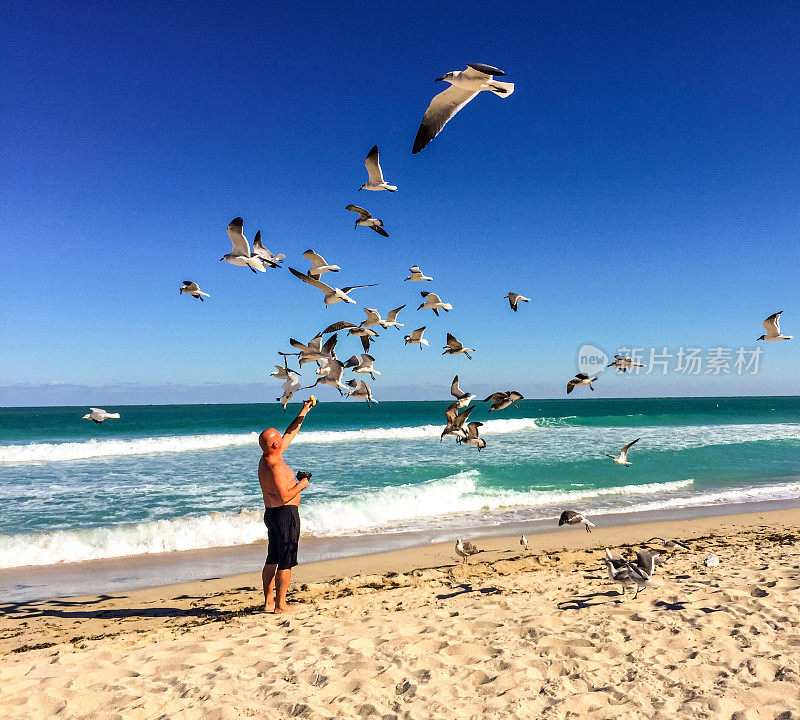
<point>160,571</point>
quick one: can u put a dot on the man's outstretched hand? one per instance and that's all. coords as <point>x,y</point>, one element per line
<point>307,405</point>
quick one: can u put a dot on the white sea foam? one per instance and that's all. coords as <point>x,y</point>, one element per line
<point>393,508</point>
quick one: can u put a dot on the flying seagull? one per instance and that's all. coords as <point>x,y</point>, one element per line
<point>434,302</point>
<point>360,391</point>
<point>580,379</point>
<point>454,347</point>
<point>622,458</point>
<point>332,377</point>
<point>465,549</point>
<point>367,220</point>
<point>290,387</point>
<point>623,363</point>
<point>269,259</point>
<point>417,275</point>
<point>455,421</point>
<point>240,254</point>
<point>773,327</point>
<point>464,85</point>
<point>363,365</point>
<point>283,373</point>
<point>366,335</point>
<point>332,295</point>
<point>315,351</point>
<point>501,400</point>
<point>376,181</point>
<point>473,438</point>
<point>190,288</point>
<point>570,517</point>
<point>462,398</point>
<point>391,319</point>
<point>514,299</point>
<point>415,338</point>
<point>318,264</point>
<point>98,415</point>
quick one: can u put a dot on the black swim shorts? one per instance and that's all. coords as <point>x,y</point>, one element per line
<point>283,534</point>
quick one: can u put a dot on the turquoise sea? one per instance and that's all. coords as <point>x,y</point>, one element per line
<point>180,477</point>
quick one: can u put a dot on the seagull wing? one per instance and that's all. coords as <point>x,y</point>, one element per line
<point>472,429</point>
<point>623,454</point>
<point>190,286</point>
<point>327,289</point>
<point>461,418</point>
<point>341,325</point>
<point>442,108</point>
<point>236,234</point>
<point>455,390</point>
<point>514,395</point>
<point>372,314</point>
<point>479,70</point>
<point>315,259</point>
<point>354,208</point>
<point>451,412</point>
<point>772,324</point>
<point>495,397</point>
<point>452,343</point>
<point>346,290</point>
<point>373,166</point>
<point>378,229</point>
<point>392,316</point>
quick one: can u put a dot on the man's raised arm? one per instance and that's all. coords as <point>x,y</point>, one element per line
<point>294,426</point>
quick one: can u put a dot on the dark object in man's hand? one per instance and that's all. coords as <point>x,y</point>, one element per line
<point>303,475</point>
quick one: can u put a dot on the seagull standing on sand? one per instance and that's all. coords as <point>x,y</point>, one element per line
<point>462,398</point>
<point>366,220</point>
<point>454,347</point>
<point>98,415</point>
<point>240,254</point>
<point>571,517</point>
<point>376,181</point>
<point>318,264</point>
<point>773,327</point>
<point>455,421</point>
<point>501,400</point>
<point>622,458</point>
<point>416,275</point>
<point>623,363</point>
<point>361,391</point>
<point>579,379</point>
<point>332,294</point>
<point>415,338</point>
<point>515,299</point>
<point>464,85</point>
<point>465,549</point>
<point>269,259</point>
<point>364,365</point>
<point>190,288</point>
<point>627,574</point>
<point>523,541</point>
<point>434,302</point>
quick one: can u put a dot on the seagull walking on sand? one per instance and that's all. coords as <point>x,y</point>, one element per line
<point>455,421</point>
<point>523,541</point>
<point>627,574</point>
<point>462,398</point>
<point>773,327</point>
<point>190,288</point>
<point>417,275</point>
<point>571,517</point>
<point>360,391</point>
<point>366,220</point>
<point>501,400</point>
<point>240,254</point>
<point>269,259</point>
<point>454,347</point>
<point>623,363</point>
<point>318,265</point>
<point>465,549</point>
<point>376,181</point>
<point>580,379</point>
<point>473,436</point>
<point>332,294</point>
<point>415,338</point>
<point>362,365</point>
<point>464,85</point>
<point>434,302</point>
<point>290,387</point>
<point>515,299</point>
<point>622,458</point>
<point>97,415</point>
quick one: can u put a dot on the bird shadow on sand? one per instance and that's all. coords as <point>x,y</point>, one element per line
<point>580,602</point>
<point>466,588</point>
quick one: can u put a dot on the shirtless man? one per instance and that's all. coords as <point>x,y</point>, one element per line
<point>281,515</point>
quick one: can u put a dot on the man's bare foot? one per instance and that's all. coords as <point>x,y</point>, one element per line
<point>284,609</point>
<point>270,607</point>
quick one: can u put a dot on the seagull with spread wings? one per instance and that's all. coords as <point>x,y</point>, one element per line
<point>773,327</point>
<point>454,347</point>
<point>417,275</point>
<point>462,398</point>
<point>415,338</point>
<point>332,294</point>
<point>434,302</point>
<point>360,391</point>
<point>376,181</point>
<point>464,85</point>
<point>362,365</point>
<point>622,458</point>
<point>268,258</point>
<point>240,253</point>
<point>501,400</point>
<point>366,335</point>
<point>366,220</point>
<point>580,379</point>
<point>318,264</point>
<point>514,299</point>
<point>455,421</point>
<point>191,288</point>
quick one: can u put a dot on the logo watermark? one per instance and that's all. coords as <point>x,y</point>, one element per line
<point>717,360</point>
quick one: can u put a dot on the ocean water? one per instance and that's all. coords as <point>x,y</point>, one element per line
<point>181,477</point>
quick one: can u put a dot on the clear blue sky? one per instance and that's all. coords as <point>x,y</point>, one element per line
<point>642,185</point>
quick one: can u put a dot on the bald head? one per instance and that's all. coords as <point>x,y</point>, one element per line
<point>270,441</point>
